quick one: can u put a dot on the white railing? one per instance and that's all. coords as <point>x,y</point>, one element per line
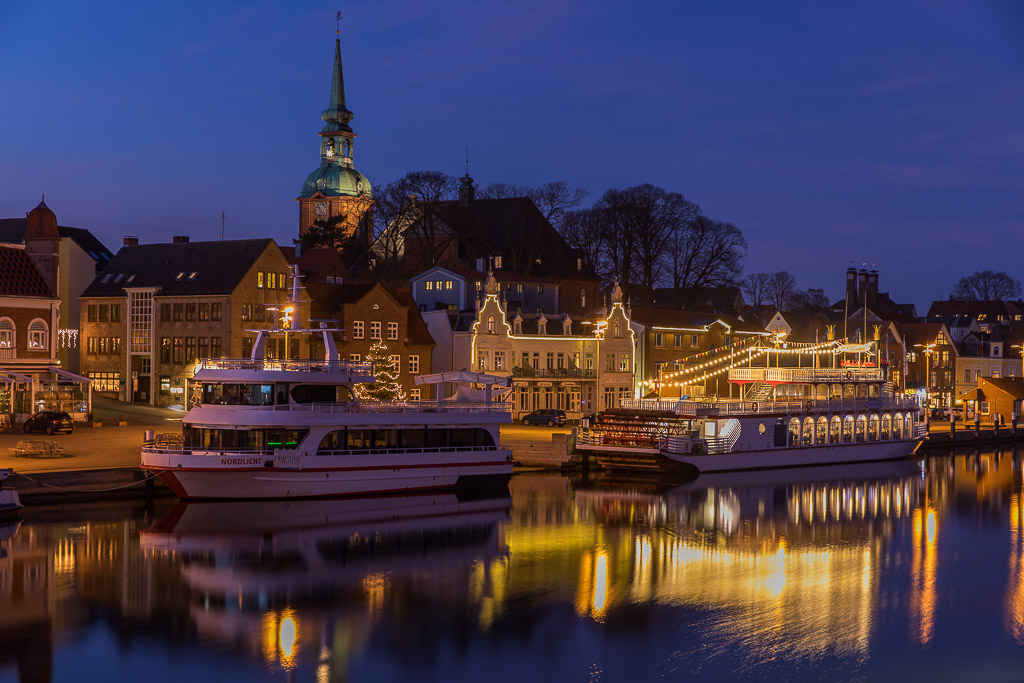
<point>813,375</point>
<point>286,365</point>
<point>726,440</point>
<point>393,407</point>
<point>736,407</point>
<point>218,452</point>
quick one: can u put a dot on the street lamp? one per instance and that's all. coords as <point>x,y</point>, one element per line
<point>928,348</point>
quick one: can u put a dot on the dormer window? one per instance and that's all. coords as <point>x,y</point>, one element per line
<point>119,277</point>
<point>542,326</point>
<point>996,350</point>
<point>106,278</point>
<point>192,275</point>
<point>567,326</point>
<point>130,277</point>
<point>180,275</point>
<point>517,326</point>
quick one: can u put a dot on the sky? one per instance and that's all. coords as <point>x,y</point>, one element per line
<point>878,133</point>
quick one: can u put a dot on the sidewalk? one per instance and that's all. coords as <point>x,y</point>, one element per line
<point>94,447</point>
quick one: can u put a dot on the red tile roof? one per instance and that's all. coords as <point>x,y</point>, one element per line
<point>18,275</point>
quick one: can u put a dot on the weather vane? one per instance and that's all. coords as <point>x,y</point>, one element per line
<point>337,23</point>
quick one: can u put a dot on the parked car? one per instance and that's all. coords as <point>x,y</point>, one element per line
<point>548,417</point>
<point>49,421</point>
<point>940,413</point>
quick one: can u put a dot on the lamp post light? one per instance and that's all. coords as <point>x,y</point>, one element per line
<point>928,348</point>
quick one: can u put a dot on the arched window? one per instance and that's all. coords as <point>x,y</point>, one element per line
<point>835,430</point>
<point>822,435</point>
<point>873,428</point>
<point>886,426</point>
<point>617,330</point>
<point>862,428</point>
<point>848,429</point>
<point>897,426</point>
<point>583,298</point>
<point>517,326</point>
<point>6,333</point>
<point>794,431</point>
<point>490,324</point>
<point>38,334</point>
<point>808,431</point>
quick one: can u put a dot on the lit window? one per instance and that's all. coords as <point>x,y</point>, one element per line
<point>192,275</point>
<point>180,275</point>
<point>355,357</point>
<point>259,280</point>
<point>497,262</point>
<point>396,363</point>
<point>271,280</point>
<point>583,298</point>
<point>6,333</point>
<point>428,285</point>
<point>447,284</point>
<point>490,324</point>
<point>38,334</point>
<point>414,394</point>
<point>540,289</point>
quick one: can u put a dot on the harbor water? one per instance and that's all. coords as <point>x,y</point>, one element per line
<point>906,570</point>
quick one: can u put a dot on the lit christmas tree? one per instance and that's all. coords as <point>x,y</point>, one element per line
<point>386,388</point>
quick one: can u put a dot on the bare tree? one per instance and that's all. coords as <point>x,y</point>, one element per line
<point>409,225</point>
<point>781,288</point>
<point>986,285</point>
<point>581,229</point>
<point>503,191</point>
<point>556,198</point>
<point>705,253</point>
<point>755,288</point>
<point>811,298</point>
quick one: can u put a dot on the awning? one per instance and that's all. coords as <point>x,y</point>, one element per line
<point>465,377</point>
<point>61,372</point>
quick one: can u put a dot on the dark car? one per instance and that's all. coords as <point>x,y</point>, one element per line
<point>50,421</point>
<point>550,418</point>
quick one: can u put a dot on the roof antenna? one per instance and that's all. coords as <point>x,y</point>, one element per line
<point>467,159</point>
<point>222,216</point>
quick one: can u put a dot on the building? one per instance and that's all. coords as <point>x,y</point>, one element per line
<point>79,257</point>
<point>156,309</point>
<point>460,289</point>
<point>335,192</point>
<point>577,364</point>
<point>994,397</point>
<point>31,378</point>
<point>669,341</point>
<point>370,314</point>
<point>931,363</point>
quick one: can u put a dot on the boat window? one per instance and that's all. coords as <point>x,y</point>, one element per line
<point>821,392</point>
<point>822,433</point>
<point>873,428</point>
<point>835,430</point>
<point>794,431</point>
<point>897,426</point>
<point>238,394</point>
<point>862,391</point>
<point>874,391</point>
<point>886,426</point>
<point>808,431</point>
<point>835,391</point>
<point>848,391</point>
<point>285,438</point>
<point>848,429</point>
<point>862,428</point>
<point>416,439</point>
<point>321,393</point>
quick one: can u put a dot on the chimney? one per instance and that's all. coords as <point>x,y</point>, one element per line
<point>851,288</point>
<point>862,287</point>
<point>179,239</point>
<point>130,241</point>
<point>872,287</point>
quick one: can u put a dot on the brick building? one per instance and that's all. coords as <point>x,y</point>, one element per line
<point>931,362</point>
<point>156,309</point>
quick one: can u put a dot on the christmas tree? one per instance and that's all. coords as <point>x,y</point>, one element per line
<point>385,371</point>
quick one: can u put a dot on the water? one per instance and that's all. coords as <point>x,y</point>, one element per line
<point>894,571</point>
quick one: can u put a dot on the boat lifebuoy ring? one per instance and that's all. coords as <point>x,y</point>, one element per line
<point>849,374</point>
<point>753,407</point>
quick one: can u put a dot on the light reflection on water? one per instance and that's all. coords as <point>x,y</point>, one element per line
<point>860,572</point>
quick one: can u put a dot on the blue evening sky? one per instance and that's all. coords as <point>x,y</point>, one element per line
<point>878,132</point>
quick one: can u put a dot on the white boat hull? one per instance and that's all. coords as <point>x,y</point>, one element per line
<point>247,476</point>
<point>830,454</point>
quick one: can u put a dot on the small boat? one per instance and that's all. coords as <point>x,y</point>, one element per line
<point>10,502</point>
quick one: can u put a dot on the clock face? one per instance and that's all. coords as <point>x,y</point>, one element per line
<point>321,184</point>
<point>359,186</point>
<point>321,209</point>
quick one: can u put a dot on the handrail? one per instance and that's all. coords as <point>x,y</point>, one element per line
<point>219,452</point>
<point>806,374</point>
<point>286,365</point>
<point>393,407</point>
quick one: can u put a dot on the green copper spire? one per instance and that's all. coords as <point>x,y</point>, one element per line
<point>337,117</point>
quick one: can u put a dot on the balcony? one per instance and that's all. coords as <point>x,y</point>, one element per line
<point>811,375</point>
<point>553,373</point>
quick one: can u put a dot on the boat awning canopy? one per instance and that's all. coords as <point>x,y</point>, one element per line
<point>464,376</point>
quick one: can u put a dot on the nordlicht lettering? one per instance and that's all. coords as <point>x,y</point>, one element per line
<point>241,461</point>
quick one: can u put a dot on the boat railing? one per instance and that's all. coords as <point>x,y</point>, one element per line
<point>426,406</point>
<point>230,451</point>
<point>812,375</point>
<point>286,365</point>
<point>737,407</point>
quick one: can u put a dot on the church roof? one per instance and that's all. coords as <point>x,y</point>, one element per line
<point>18,275</point>
<point>180,268</point>
<point>338,181</point>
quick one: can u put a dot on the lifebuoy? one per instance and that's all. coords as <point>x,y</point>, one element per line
<point>753,407</point>
<point>849,374</point>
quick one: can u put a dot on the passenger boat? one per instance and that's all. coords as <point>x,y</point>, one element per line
<point>783,417</point>
<point>10,501</point>
<point>274,428</point>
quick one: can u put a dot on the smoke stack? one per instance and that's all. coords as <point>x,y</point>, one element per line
<point>130,241</point>
<point>872,294</point>
<point>179,239</point>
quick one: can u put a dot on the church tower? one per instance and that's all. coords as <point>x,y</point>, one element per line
<point>336,191</point>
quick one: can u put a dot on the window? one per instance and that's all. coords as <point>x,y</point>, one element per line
<point>540,289</point>
<point>178,347</point>
<point>694,340</point>
<point>271,280</point>
<point>624,363</point>
<point>354,357</point>
<point>497,262</point>
<point>414,364</point>
<point>984,407</point>
<point>678,341</point>
<point>115,312</point>
<point>560,361</point>
<point>428,285</point>
<point>165,312</point>
<point>246,311</point>
<point>259,280</point>
<point>447,284</point>
<point>259,312</point>
<point>995,372</point>
<point>357,329</point>
<point>6,333</point>
<point>91,313</point>
<point>609,362</point>
<point>490,324</point>
<point>396,363</point>
<point>90,346</point>
<point>499,360</point>
<point>517,326</point>
<point>550,360</point>
<point>38,334</point>
<point>967,374</point>
<point>282,281</point>
<point>204,348</point>
<point>104,313</point>
<point>438,284</point>
<point>215,311</point>
<point>165,350</point>
<point>659,339</point>
<point>996,350</point>
<point>179,310</point>
<point>105,381</point>
<point>204,311</point>
<point>481,360</point>
<point>414,394</point>
<point>190,349</point>
<point>583,298</point>
<point>190,312</point>
<point>215,347</point>
<point>392,330</point>
<point>375,329</point>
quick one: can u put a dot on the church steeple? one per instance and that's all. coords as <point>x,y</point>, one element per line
<point>337,116</point>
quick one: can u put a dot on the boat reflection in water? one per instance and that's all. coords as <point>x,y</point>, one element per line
<point>786,564</point>
<point>300,584</point>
